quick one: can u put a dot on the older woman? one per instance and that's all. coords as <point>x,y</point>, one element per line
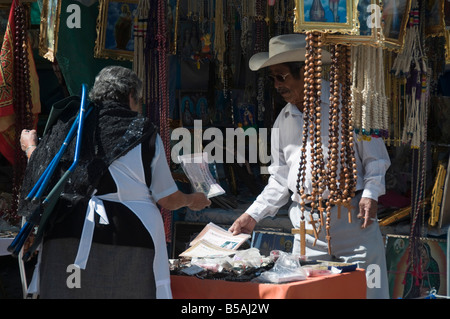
<point>106,221</point>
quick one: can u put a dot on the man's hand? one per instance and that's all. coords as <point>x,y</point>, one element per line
<point>368,211</point>
<point>244,224</point>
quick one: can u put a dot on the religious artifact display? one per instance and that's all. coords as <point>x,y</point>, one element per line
<point>335,172</point>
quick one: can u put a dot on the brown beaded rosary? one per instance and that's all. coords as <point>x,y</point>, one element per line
<point>340,155</point>
<point>312,129</point>
<point>22,98</point>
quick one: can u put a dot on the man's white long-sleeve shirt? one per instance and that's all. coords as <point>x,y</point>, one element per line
<point>371,156</point>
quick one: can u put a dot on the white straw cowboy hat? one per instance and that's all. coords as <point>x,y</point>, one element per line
<point>284,48</point>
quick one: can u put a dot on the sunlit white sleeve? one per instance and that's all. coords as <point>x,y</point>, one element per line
<point>162,181</point>
<point>374,161</point>
<point>276,193</point>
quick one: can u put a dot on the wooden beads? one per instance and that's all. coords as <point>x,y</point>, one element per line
<point>335,171</point>
<point>311,138</point>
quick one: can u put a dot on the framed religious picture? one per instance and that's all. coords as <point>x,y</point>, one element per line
<point>115,24</point>
<point>434,17</point>
<point>368,24</point>
<point>395,17</point>
<point>403,282</point>
<point>268,241</point>
<point>194,106</point>
<point>48,38</point>
<point>325,16</point>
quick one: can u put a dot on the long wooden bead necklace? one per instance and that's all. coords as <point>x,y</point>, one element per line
<point>311,132</point>
<point>339,174</point>
<point>333,141</point>
<point>348,174</point>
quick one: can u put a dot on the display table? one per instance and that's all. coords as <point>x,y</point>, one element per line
<point>351,285</point>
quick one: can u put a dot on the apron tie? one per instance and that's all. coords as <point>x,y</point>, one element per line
<point>95,205</point>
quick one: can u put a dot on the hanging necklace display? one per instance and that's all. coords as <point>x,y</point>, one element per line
<point>412,66</point>
<point>280,15</point>
<point>301,176</point>
<point>312,134</point>
<point>259,47</point>
<point>22,102</point>
<point>348,171</point>
<point>164,100</point>
<point>369,100</point>
<point>340,156</point>
<point>139,33</point>
<point>219,39</point>
<point>155,82</point>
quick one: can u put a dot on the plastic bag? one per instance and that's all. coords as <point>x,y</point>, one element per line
<point>287,268</point>
<point>247,258</point>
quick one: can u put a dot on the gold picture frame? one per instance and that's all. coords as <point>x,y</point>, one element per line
<point>115,29</point>
<point>395,18</point>
<point>49,28</point>
<point>368,23</point>
<point>325,16</point>
<point>447,46</point>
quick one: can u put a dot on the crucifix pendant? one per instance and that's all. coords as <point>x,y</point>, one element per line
<point>349,207</point>
<point>302,238</point>
<point>316,232</point>
<point>302,232</point>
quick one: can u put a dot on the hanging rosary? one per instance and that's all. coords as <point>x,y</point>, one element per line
<point>22,100</point>
<point>312,133</point>
<point>339,174</point>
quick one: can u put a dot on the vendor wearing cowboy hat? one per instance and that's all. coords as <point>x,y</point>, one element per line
<point>356,242</point>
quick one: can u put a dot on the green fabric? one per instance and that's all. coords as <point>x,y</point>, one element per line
<point>75,52</point>
<point>35,13</point>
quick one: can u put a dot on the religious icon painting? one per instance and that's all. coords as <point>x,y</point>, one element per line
<point>328,16</point>
<point>115,25</point>
<point>187,111</point>
<point>395,17</point>
<point>193,106</point>
<point>49,29</point>
<point>268,241</point>
<point>434,17</point>
<point>202,110</point>
<point>368,24</point>
<point>246,116</point>
<point>405,281</point>
<point>189,44</point>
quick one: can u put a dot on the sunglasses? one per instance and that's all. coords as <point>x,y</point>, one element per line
<point>279,77</point>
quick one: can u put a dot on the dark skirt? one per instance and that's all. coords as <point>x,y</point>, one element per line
<point>112,272</point>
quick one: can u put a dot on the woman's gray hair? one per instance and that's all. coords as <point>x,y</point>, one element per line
<point>115,83</point>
